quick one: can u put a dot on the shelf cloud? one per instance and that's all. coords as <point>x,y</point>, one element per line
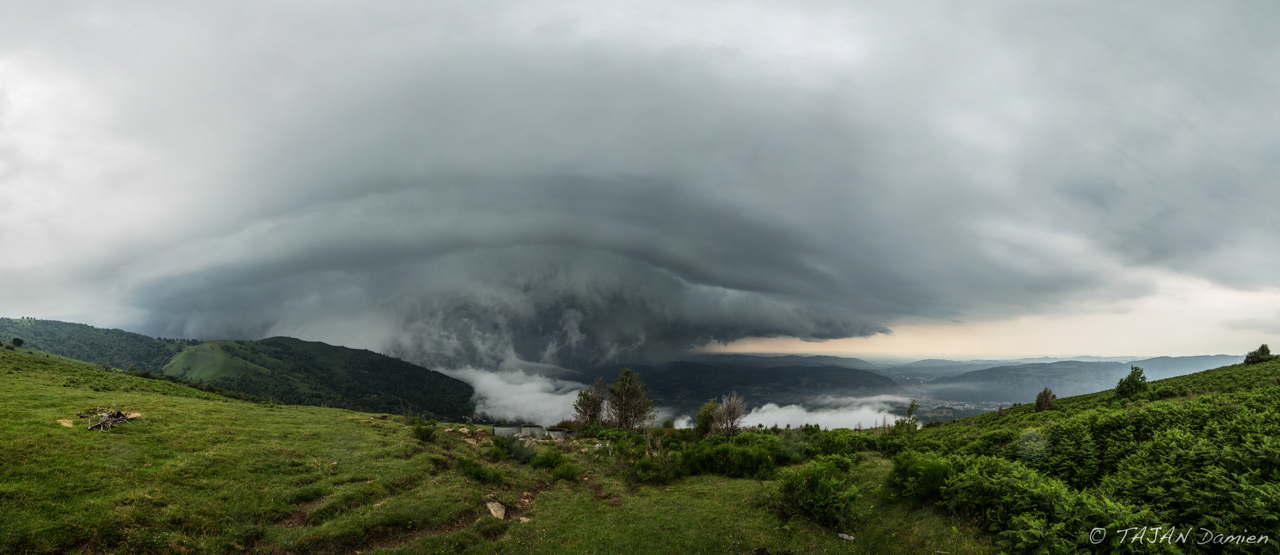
<point>573,183</point>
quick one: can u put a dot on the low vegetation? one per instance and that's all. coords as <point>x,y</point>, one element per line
<point>200,472</point>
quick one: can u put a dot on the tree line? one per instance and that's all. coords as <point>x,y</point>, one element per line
<point>624,405</point>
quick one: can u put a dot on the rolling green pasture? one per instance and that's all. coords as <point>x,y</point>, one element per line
<point>199,473</point>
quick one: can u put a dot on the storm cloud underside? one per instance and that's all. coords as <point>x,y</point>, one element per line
<point>569,183</point>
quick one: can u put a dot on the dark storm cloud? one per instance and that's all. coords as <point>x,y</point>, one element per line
<point>569,183</point>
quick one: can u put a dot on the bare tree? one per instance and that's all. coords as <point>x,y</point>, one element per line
<point>589,408</point>
<point>628,407</point>
<point>729,414</point>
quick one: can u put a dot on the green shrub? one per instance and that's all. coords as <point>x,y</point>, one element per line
<point>424,433</point>
<point>490,527</point>
<point>1031,445</point>
<point>1223,477</point>
<point>841,441</point>
<point>547,458</point>
<point>919,476</point>
<point>1262,354</point>
<point>510,448</point>
<point>593,431</point>
<point>821,491</point>
<point>1072,456</point>
<point>495,454</point>
<point>728,459</point>
<point>1133,385</point>
<point>477,471</point>
<point>1035,513</point>
<point>989,443</point>
<point>566,471</point>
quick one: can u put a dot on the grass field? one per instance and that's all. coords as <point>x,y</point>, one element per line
<point>198,473</point>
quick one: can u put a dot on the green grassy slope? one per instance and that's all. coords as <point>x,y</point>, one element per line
<point>198,473</point>
<point>1197,452</point>
<point>113,347</point>
<point>1067,378</point>
<point>300,372</point>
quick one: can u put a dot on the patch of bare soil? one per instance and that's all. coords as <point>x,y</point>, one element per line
<point>302,517</point>
<point>601,495</point>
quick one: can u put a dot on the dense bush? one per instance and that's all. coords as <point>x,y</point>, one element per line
<point>1030,447</point>
<point>841,441</point>
<point>1133,385</point>
<point>1260,355</point>
<point>1225,477</point>
<point>919,476</point>
<point>822,492</point>
<point>1035,513</point>
<point>1207,457</point>
<point>1071,455</point>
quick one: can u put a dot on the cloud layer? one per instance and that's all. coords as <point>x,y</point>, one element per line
<point>571,183</point>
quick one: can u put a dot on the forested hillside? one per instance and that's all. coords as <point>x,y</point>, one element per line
<point>300,372</point>
<point>283,369</point>
<point>113,347</point>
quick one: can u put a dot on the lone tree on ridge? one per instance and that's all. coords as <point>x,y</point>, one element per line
<point>1044,401</point>
<point>1133,385</point>
<point>627,406</point>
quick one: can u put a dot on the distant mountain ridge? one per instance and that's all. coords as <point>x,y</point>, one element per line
<point>301,372</point>
<point>113,347</point>
<point>1021,382</point>
<point>783,360</point>
<point>283,369</point>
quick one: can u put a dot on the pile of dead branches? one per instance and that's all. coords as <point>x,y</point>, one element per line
<point>106,419</point>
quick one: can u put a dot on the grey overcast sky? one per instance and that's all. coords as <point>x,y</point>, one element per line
<point>463,183</point>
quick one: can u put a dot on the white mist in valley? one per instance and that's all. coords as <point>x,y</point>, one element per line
<point>516,395</point>
<point>828,412</point>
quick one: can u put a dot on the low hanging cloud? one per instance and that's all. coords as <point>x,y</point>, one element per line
<point>828,412</point>
<point>570,183</point>
<point>519,397</point>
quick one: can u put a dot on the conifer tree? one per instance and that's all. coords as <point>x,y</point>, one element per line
<point>627,406</point>
<point>1133,385</point>
<point>589,408</point>
<point>1044,401</point>
<point>706,419</point>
